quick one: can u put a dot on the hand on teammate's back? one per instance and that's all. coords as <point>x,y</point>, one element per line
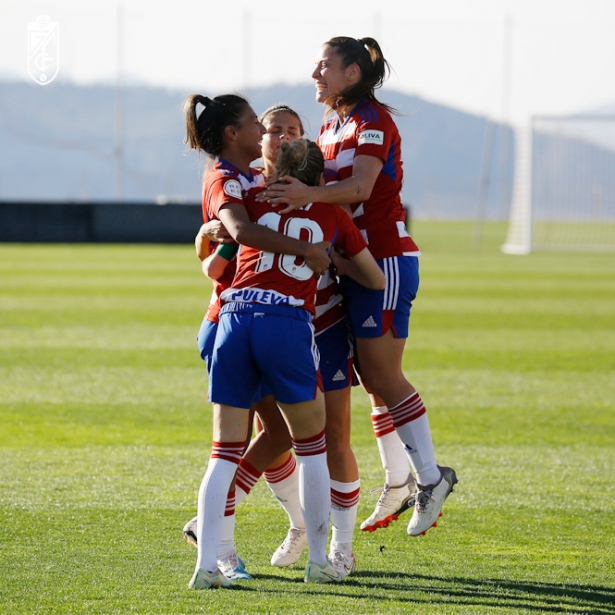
<point>317,258</point>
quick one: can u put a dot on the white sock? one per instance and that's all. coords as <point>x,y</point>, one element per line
<point>284,484</point>
<point>412,425</point>
<point>344,505</point>
<point>392,454</point>
<point>226,547</point>
<point>245,479</point>
<point>213,495</point>
<point>315,494</point>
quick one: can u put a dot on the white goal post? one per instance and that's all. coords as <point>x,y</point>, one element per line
<point>564,185</point>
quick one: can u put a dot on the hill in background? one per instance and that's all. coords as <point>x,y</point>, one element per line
<point>67,142</point>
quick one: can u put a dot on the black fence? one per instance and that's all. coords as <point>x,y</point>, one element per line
<point>39,222</point>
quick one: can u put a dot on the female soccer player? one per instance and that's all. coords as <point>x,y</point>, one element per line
<point>271,302</point>
<point>332,339</point>
<point>360,142</point>
<point>269,452</point>
<point>228,130</point>
<point>291,375</point>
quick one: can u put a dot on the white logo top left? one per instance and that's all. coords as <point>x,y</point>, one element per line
<point>43,49</point>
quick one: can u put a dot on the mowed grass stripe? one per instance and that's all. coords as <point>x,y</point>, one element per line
<point>105,434</point>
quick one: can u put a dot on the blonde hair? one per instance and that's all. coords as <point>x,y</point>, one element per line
<point>301,159</point>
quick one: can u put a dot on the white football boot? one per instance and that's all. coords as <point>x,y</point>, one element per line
<point>206,580</point>
<point>344,564</point>
<point>289,552</point>
<point>392,502</point>
<point>429,501</point>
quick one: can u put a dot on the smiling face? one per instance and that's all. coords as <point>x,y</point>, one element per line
<point>280,126</point>
<point>330,76</point>
<point>249,133</point>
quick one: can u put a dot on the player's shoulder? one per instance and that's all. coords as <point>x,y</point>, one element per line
<point>223,184</point>
<point>372,112</point>
<point>221,172</point>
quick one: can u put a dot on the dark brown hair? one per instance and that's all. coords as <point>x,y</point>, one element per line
<point>205,131</point>
<point>367,55</point>
<point>281,108</point>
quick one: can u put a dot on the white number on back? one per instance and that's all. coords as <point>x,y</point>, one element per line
<point>298,228</point>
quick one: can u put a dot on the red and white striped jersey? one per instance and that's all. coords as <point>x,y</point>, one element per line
<point>370,131</point>
<point>329,303</point>
<point>265,277</point>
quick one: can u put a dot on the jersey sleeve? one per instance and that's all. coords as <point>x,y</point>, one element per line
<point>223,190</point>
<point>374,138</point>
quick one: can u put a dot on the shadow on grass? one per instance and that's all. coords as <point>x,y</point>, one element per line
<point>546,597</point>
<point>492,593</point>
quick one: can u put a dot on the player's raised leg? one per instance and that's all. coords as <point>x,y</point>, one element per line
<point>397,495</point>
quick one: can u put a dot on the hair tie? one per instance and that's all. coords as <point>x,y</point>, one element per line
<point>211,108</point>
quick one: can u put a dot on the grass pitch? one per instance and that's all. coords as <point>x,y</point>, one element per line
<point>105,434</point>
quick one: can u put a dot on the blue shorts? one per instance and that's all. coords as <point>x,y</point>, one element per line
<point>335,346</point>
<point>373,312</point>
<point>206,339</point>
<point>272,344</point>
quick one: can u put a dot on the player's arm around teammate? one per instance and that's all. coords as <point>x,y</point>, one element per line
<point>293,374</point>
<point>361,142</point>
<point>269,451</point>
<point>228,130</point>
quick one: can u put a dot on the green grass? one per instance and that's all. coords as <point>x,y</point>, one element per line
<point>105,434</point>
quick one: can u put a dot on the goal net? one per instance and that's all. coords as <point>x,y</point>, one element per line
<point>564,186</point>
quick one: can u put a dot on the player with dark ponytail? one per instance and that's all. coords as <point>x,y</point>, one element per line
<point>367,55</point>
<point>205,131</point>
<point>228,130</point>
<point>361,143</point>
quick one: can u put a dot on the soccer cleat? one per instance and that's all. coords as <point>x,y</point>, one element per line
<point>190,532</point>
<point>289,552</point>
<point>205,580</point>
<point>344,564</point>
<point>234,568</point>
<point>392,502</point>
<point>314,573</point>
<point>429,501</point>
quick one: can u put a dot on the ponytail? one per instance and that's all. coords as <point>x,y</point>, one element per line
<point>367,55</point>
<point>204,132</point>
